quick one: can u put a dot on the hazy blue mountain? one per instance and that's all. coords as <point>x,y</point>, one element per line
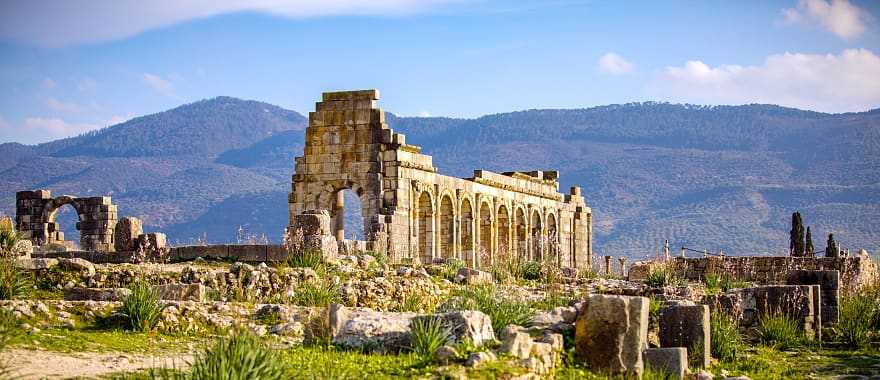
<point>723,177</point>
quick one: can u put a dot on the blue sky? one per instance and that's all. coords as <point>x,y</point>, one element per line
<point>69,67</point>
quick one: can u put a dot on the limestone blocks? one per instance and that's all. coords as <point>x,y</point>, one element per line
<point>688,327</point>
<point>611,332</point>
<point>126,233</point>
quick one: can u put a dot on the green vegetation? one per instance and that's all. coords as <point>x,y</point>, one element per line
<point>451,267</point>
<point>142,307</point>
<point>796,235</point>
<point>98,340</point>
<point>316,293</point>
<point>240,356</point>
<point>859,321</point>
<point>552,299</point>
<point>661,276</point>
<point>307,258</point>
<point>414,302</point>
<point>780,331</point>
<point>14,282</point>
<point>716,283</point>
<point>428,335</point>
<point>502,309</point>
<point>725,339</point>
<point>530,271</point>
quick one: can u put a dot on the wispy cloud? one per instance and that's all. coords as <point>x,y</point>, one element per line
<point>55,127</point>
<point>87,21</point>
<point>612,63</point>
<point>840,17</point>
<point>159,84</point>
<point>61,106</point>
<point>849,81</point>
<point>48,84</point>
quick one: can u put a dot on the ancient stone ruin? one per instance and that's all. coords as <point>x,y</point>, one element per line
<point>35,219</point>
<point>418,213</point>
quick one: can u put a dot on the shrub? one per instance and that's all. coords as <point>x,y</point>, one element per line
<point>530,271</point>
<point>724,337</point>
<point>662,276</point>
<point>428,335</point>
<point>780,331</point>
<point>307,258</point>
<point>501,309</point>
<point>451,267</point>
<point>142,307</point>
<point>316,293</point>
<point>14,282</point>
<point>237,357</point>
<point>858,313</point>
<point>8,240</point>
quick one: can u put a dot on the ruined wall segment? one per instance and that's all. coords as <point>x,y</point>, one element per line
<point>420,214</point>
<point>35,219</point>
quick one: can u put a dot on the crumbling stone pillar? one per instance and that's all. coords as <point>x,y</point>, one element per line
<point>126,234</point>
<point>607,266</point>
<point>622,261</point>
<point>688,327</point>
<point>314,227</point>
<point>611,333</point>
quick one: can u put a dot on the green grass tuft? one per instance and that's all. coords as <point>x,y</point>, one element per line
<point>316,294</point>
<point>142,307</point>
<point>725,339</point>
<point>858,313</point>
<point>501,309</point>
<point>428,335</point>
<point>779,331</point>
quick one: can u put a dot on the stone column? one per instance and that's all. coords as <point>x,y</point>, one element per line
<point>622,261</point>
<point>607,266</point>
<point>339,219</point>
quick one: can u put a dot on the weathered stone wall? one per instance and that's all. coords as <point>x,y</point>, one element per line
<point>421,214</point>
<point>35,219</point>
<point>854,271</point>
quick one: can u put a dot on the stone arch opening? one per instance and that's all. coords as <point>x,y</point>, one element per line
<point>62,225</point>
<point>537,237</point>
<point>521,232</point>
<point>447,227</point>
<point>467,231</point>
<point>425,221</point>
<point>348,215</point>
<point>485,256</point>
<point>503,248</point>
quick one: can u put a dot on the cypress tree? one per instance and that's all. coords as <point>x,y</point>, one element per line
<point>796,238</point>
<point>831,247</point>
<point>809,251</point>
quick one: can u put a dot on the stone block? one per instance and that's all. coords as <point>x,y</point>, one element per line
<point>670,360</point>
<point>829,283</point>
<point>77,264</point>
<point>126,233</point>
<point>252,253</point>
<point>471,325</point>
<point>473,276</point>
<point>361,328</point>
<point>313,223</point>
<point>36,264</point>
<point>181,292</point>
<point>96,294</point>
<point>688,327</point>
<point>611,332</point>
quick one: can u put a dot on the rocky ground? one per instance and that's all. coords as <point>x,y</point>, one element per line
<point>358,313</point>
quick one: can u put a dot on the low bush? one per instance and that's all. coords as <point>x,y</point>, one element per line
<point>142,308</point>
<point>237,357</point>
<point>14,282</point>
<point>858,313</point>
<point>451,267</point>
<point>428,335</point>
<point>724,338</point>
<point>779,331</point>
<point>502,309</point>
<point>306,258</point>
<point>662,276</point>
<point>316,293</point>
<point>530,271</point>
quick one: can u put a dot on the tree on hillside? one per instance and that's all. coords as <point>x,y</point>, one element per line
<point>809,251</point>
<point>831,247</point>
<point>796,238</point>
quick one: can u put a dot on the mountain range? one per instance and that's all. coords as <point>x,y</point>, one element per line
<point>707,177</point>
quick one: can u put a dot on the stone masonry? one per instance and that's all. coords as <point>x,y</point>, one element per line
<point>35,219</point>
<point>420,214</point>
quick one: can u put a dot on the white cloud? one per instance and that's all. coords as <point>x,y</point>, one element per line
<point>614,64</point>
<point>86,85</point>
<point>840,17</point>
<point>60,106</point>
<point>849,81</point>
<point>424,114</point>
<point>54,127</point>
<point>48,83</point>
<point>159,84</point>
<point>87,21</point>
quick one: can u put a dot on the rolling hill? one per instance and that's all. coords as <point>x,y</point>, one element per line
<point>722,177</point>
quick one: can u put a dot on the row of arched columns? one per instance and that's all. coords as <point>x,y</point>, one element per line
<point>481,230</point>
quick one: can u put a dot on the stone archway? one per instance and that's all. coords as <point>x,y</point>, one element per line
<point>467,231</point>
<point>537,235</point>
<point>36,213</point>
<point>485,229</point>
<point>503,248</point>
<point>447,227</point>
<point>425,231</point>
<point>521,235</point>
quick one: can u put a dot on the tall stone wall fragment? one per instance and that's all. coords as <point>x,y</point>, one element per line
<point>611,332</point>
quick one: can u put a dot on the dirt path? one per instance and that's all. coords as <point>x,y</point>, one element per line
<point>28,364</point>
